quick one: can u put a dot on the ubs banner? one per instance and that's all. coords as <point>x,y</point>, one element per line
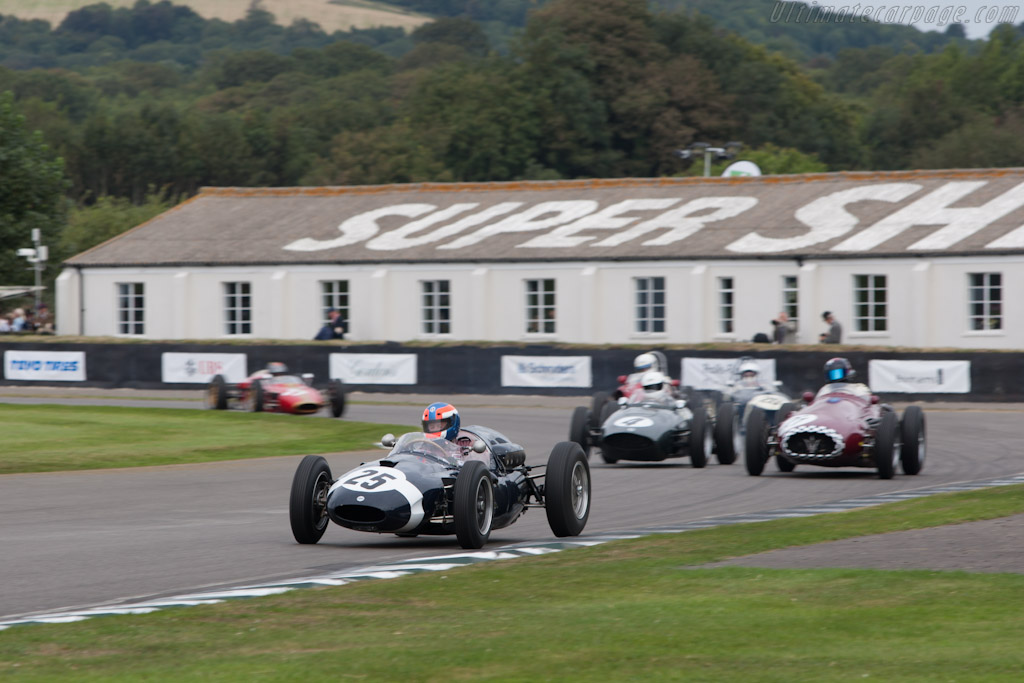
<point>48,366</point>
<point>200,368</point>
<point>920,376</point>
<point>374,368</point>
<point>545,371</point>
<point>716,373</point>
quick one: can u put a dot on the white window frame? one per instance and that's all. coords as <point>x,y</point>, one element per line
<point>726,305</point>
<point>791,298</point>
<point>540,312</point>
<point>131,308</point>
<point>435,307</point>
<point>334,294</point>
<point>237,308</point>
<point>989,290</point>
<point>650,305</point>
<point>870,303</point>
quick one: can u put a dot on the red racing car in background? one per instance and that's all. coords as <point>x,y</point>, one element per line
<point>273,390</point>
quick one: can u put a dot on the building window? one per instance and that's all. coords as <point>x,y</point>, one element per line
<point>540,306</point>
<point>237,308</point>
<point>650,304</point>
<point>437,316</point>
<point>986,301</point>
<point>334,294</point>
<point>131,308</point>
<point>790,298</point>
<point>725,305</point>
<point>869,303</point>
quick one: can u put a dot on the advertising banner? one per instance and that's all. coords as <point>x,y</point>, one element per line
<point>45,366</point>
<point>200,368</point>
<point>545,371</point>
<point>716,373</point>
<point>920,376</point>
<point>374,368</point>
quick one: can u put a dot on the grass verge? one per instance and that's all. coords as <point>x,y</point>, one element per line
<point>48,438</point>
<point>629,610</point>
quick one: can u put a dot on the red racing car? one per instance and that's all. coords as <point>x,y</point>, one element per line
<point>273,390</point>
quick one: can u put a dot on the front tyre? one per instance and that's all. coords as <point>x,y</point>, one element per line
<point>700,442</point>
<point>579,429</point>
<point>755,449</point>
<point>474,505</point>
<point>725,433</point>
<point>307,506</point>
<point>912,450</point>
<point>336,396</point>
<point>601,398</point>
<point>887,445</point>
<point>217,393</point>
<point>567,489</point>
<point>256,396</point>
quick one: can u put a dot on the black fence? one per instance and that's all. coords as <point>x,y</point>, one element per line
<point>995,376</point>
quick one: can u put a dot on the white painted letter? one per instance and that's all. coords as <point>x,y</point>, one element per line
<point>680,222</point>
<point>608,218</point>
<point>399,237</point>
<point>525,222</point>
<point>360,227</point>
<point>826,217</point>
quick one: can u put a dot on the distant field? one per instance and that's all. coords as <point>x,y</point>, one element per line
<point>332,15</point>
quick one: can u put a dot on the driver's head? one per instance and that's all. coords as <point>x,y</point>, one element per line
<point>277,368</point>
<point>838,370</point>
<point>645,362</point>
<point>748,371</point>
<point>655,384</point>
<point>441,421</point>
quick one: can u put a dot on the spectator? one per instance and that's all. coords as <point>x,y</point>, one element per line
<point>835,330</point>
<point>18,321</point>
<point>5,323</point>
<point>44,322</point>
<point>785,329</point>
<point>334,328</point>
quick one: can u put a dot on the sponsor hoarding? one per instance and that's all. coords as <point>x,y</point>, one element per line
<point>546,371</point>
<point>200,368</point>
<point>716,373</point>
<point>920,376</point>
<point>45,366</point>
<point>374,368</point>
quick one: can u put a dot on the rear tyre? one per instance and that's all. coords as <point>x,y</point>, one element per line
<point>579,429</point>
<point>336,395</point>
<point>307,506</point>
<point>256,396</point>
<point>217,393</point>
<point>755,449</point>
<point>701,440</point>
<point>912,450</point>
<point>474,505</point>
<point>887,445</point>
<point>601,399</point>
<point>725,433</point>
<point>567,489</point>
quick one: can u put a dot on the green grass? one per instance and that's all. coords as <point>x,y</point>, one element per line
<point>625,611</point>
<point>48,438</point>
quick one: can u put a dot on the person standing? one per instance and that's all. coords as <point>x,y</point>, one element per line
<point>834,335</point>
<point>334,328</point>
<point>785,329</point>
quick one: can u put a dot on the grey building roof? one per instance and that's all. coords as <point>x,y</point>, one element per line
<point>831,215</point>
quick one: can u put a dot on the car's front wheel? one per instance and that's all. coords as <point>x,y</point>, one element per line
<point>726,427</point>
<point>912,450</point>
<point>887,445</point>
<point>579,431</point>
<point>567,489</point>
<point>307,506</point>
<point>217,393</point>
<point>474,505</point>
<point>755,449</point>
<point>255,397</point>
<point>701,441</point>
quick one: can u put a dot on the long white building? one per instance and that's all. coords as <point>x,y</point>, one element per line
<point>925,259</point>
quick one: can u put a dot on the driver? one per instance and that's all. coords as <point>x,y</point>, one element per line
<point>645,362</point>
<point>441,421</point>
<point>656,387</point>
<point>838,373</point>
<point>275,368</point>
<point>748,371</point>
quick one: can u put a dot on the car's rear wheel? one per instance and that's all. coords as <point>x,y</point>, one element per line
<point>701,441</point>
<point>307,506</point>
<point>567,489</point>
<point>217,393</point>
<point>726,426</point>
<point>755,450</point>
<point>913,448</point>
<point>606,411</point>
<point>601,399</point>
<point>255,397</point>
<point>579,429</point>
<point>474,505</point>
<point>887,445</point>
<point>336,395</point>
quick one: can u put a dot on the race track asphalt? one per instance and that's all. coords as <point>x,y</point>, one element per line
<point>104,537</point>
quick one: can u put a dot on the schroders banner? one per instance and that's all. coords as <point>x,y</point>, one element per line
<point>920,376</point>
<point>546,371</point>
<point>374,368</point>
<point>716,373</point>
<point>45,366</point>
<point>200,368</point>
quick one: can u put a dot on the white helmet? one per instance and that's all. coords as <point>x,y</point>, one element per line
<point>655,385</point>
<point>644,362</point>
<point>748,365</point>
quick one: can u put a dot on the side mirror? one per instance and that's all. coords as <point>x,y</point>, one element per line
<point>307,377</point>
<point>675,383</point>
<point>623,400</point>
<point>479,446</point>
<point>388,441</point>
<point>777,383</point>
<point>622,379</point>
<point>808,396</point>
<point>680,405</point>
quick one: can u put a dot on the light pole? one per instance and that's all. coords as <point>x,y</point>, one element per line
<point>37,257</point>
<point>729,151</point>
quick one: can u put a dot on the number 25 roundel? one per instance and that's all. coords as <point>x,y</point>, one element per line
<point>373,479</point>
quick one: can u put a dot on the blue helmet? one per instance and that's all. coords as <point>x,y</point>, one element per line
<point>441,420</point>
<point>838,370</point>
